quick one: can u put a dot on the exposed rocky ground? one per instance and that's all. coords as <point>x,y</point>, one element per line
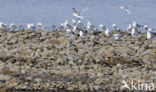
<point>52,61</point>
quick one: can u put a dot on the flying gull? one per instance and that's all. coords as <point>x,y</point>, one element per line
<point>77,13</point>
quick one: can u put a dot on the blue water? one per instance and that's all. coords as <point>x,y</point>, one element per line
<point>104,12</point>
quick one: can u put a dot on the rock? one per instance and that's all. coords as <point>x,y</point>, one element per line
<point>38,80</point>
<point>71,63</point>
<point>14,41</point>
<point>7,71</point>
<point>2,66</point>
<point>98,81</point>
<point>3,89</point>
<point>4,77</point>
<point>13,83</point>
<point>152,46</point>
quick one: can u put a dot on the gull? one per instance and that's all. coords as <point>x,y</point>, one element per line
<point>91,28</point>
<point>146,27</point>
<point>88,24</point>
<point>69,32</point>
<point>116,36</point>
<point>77,13</point>
<point>107,32</point>
<point>133,32</point>
<point>82,34</point>
<point>149,35</point>
<point>40,27</point>
<point>3,27</point>
<point>31,27</point>
<point>129,28</point>
<point>114,26</point>
<point>13,27</point>
<point>80,25</point>
<point>66,25</point>
<point>125,8</point>
<point>54,29</point>
<point>20,27</point>
<point>61,28</point>
<point>75,30</point>
<point>102,28</point>
<point>136,25</point>
<point>69,26</point>
<point>73,22</point>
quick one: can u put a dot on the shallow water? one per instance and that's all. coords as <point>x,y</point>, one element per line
<point>104,12</point>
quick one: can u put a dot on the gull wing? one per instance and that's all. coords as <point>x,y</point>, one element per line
<point>82,11</point>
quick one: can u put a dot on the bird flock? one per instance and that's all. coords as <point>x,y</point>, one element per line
<point>78,28</point>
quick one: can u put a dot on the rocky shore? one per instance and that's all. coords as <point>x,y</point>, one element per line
<point>43,60</point>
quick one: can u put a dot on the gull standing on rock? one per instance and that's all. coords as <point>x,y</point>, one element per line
<point>31,27</point>
<point>20,27</point>
<point>77,13</point>
<point>125,8</point>
<point>12,27</point>
<point>129,28</point>
<point>66,25</point>
<point>107,32</point>
<point>80,25</point>
<point>133,33</point>
<point>149,35</point>
<point>53,27</point>
<point>75,30</point>
<point>69,32</point>
<point>102,28</point>
<point>82,34</point>
<point>135,25</point>
<point>91,28</point>
<point>73,22</point>
<point>114,26</point>
<point>63,25</point>
<point>40,27</point>
<point>3,27</point>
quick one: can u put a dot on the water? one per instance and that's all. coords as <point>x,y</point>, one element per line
<point>104,12</point>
